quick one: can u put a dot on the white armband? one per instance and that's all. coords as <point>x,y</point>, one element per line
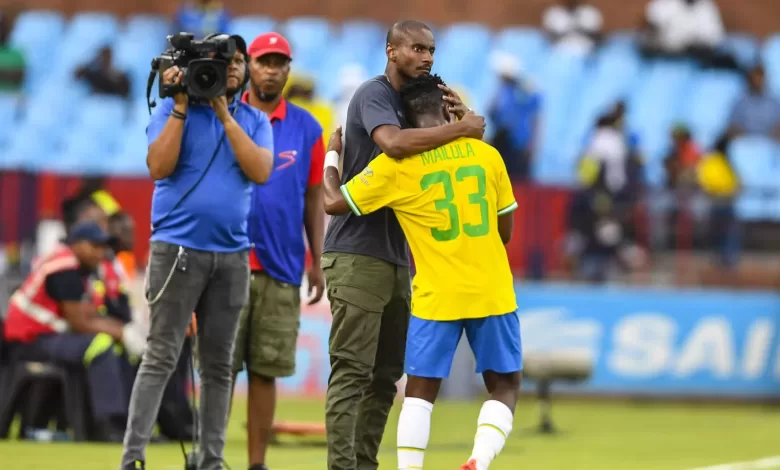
<point>332,159</point>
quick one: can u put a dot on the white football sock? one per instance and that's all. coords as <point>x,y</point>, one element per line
<point>493,428</point>
<point>414,429</point>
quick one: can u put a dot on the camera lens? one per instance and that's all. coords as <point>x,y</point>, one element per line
<point>205,78</point>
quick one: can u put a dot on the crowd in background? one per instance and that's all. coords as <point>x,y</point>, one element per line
<point>604,214</point>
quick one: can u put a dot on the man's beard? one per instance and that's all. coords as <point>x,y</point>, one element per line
<point>265,97</point>
<point>231,92</point>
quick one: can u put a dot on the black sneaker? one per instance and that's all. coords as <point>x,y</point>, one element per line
<point>259,466</point>
<point>138,465</point>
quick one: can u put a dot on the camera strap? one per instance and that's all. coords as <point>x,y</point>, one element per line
<point>156,227</point>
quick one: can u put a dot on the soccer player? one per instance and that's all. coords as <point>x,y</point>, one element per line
<point>454,204</point>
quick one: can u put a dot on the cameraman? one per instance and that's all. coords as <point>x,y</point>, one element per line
<point>204,159</point>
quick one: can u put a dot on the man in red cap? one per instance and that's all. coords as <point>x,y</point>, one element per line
<point>289,200</point>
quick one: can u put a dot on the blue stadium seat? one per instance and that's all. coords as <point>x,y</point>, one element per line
<point>527,44</point>
<point>103,117</point>
<point>609,81</point>
<point>9,113</point>
<point>28,150</point>
<point>770,55</point>
<point>131,159</point>
<point>560,81</point>
<point>708,105</point>
<point>359,42</point>
<point>743,47</point>
<point>655,105</point>
<point>249,27</point>
<point>85,34</point>
<point>460,51</point>
<point>82,154</point>
<point>38,33</point>
<point>755,161</point>
<point>146,26</point>
<point>309,39</point>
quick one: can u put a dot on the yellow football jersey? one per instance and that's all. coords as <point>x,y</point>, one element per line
<point>447,201</point>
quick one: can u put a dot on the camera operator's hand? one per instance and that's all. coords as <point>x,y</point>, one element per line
<point>220,106</point>
<point>173,76</point>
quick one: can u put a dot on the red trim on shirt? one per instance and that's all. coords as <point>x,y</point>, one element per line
<point>254,263</point>
<point>317,162</point>
<point>279,113</point>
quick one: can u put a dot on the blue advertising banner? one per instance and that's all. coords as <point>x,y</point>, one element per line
<point>654,341</point>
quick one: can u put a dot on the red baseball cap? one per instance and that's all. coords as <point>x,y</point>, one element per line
<point>270,43</point>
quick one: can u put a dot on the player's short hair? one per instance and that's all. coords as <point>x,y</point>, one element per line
<point>422,95</point>
<point>400,29</point>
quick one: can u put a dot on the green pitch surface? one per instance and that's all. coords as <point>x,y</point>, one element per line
<point>594,435</point>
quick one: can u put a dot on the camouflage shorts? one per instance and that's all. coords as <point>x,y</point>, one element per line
<point>268,332</point>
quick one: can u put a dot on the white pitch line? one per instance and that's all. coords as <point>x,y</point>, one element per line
<point>769,462</point>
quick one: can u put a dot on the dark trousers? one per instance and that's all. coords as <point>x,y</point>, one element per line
<point>369,301</point>
<point>109,374</point>
<point>215,286</point>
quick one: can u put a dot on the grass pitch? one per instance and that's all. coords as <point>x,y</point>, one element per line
<point>593,436</point>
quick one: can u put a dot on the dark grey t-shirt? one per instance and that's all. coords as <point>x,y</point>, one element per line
<point>374,104</point>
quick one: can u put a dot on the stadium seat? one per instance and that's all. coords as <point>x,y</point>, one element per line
<point>81,155</point>
<point>708,105</point>
<point>28,149</point>
<point>561,80</point>
<point>147,26</point>
<point>770,56</point>
<point>309,39</point>
<point>8,115</point>
<point>743,47</point>
<point>38,34</point>
<point>359,42</point>
<point>755,161</point>
<point>460,50</point>
<point>130,161</point>
<point>85,34</point>
<point>103,117</point>
<point>655,105</point>
<point>527,44</point>
<point>249,27</point>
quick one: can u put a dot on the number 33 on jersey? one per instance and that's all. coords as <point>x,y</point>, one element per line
<point>447,201</point>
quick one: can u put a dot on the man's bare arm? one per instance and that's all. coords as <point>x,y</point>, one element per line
<point>402,143</point>
<point>335,204</point>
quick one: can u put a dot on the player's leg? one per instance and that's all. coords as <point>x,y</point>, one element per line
<point>496,344</point>
<point>430,349</point>
<point>359,288</point>
<point>388,369</point>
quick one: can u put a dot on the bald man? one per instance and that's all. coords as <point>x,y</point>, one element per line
<point>365,259</point>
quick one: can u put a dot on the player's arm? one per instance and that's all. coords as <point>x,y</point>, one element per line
<point>369,191</point>
<point>379,118</point>
<point>506,203</point>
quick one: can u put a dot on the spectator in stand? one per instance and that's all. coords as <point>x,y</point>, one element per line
<point>680,164</point>
<point>573,26</point>
<point>300,92</point>
<point>685,29</point>
<point>757,112</point>
<point>720,182</point>
<point>102,77</point>
<point>515,113</point>
<point>11,59</point>
<point>201,18</point>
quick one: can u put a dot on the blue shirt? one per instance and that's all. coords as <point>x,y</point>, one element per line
<point>214,216</point>
<point>515,109</point>
<point>278,206</point>
<point>757,114</point>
